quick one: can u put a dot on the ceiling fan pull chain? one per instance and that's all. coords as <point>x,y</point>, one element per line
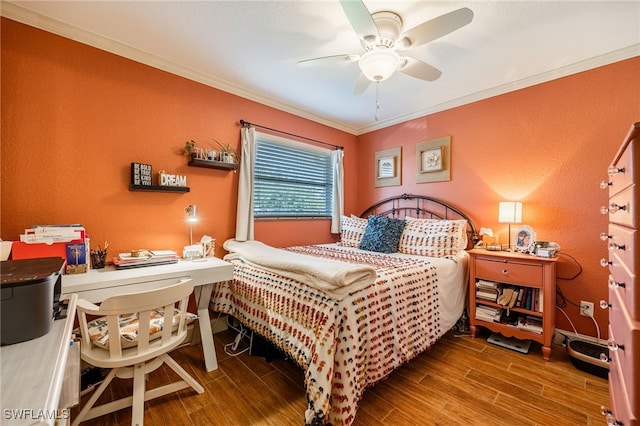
<point>377,99</point>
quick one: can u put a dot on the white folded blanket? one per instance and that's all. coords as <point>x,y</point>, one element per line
<point>332,276</point>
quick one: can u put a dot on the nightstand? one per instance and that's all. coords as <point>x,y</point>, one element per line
<point>531,278</point>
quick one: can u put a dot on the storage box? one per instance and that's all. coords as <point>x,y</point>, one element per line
<point>28,290</point>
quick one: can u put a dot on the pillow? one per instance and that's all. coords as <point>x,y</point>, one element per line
<point>99,333</point>
<point>352,231</point>
<point>382,234</point>
<point>433,238</point>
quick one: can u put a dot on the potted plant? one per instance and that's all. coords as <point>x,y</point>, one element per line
<point>227,153</point>
<point>190,149</point>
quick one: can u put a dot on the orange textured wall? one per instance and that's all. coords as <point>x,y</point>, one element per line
<point>548,146</point>
<point>75,117</point>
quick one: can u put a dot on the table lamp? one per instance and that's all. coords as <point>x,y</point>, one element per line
<point>510,212</point>
<point>192,217</point>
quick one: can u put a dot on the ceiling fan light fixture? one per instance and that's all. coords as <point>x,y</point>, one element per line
<point>378,65</point>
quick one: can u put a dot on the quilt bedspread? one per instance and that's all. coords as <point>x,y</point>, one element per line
<point>343,346</point>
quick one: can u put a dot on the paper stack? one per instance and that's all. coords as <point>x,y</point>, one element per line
<point>140,258</point>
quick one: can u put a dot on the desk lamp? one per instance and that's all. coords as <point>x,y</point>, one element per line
<point>192,217</point>
<point>510,212</point>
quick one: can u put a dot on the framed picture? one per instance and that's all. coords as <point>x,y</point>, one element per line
<point>525,239</point>
<point>433,160</point>
<point>388,167</point>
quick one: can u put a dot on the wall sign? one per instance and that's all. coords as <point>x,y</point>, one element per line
<point>141,174</point>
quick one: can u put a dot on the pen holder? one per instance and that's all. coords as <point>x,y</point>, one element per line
<point>98,258</point>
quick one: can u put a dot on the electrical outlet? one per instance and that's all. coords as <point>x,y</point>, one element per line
<point>586,308</point>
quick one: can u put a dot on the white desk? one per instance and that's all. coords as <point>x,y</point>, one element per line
<point>98,284</point>
<point>33,375</point>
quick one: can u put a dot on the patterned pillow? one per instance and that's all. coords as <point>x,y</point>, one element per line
<point>382,234</point>
<point>433,238</point>
<point>99,334</point>
<point>352,231</point>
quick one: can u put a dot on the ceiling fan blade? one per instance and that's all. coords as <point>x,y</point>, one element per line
<point>360,19</point>
<point>418,69</point>
<point>437,27</point>
<point>362,83</point>
<point>328,60</point>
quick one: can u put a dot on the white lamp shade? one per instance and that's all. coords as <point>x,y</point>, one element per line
<point>378,65</point>
<point>192,213</point>
<point>510,212</point>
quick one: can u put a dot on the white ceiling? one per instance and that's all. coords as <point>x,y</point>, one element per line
<point>251,48</point>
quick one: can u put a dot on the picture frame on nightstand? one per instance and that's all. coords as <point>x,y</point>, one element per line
<point>525,239</point>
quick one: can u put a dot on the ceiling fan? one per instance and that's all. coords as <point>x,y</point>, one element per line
<point>382,38</point>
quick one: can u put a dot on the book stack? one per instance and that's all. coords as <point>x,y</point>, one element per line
<point>141,258</point>
<point>530,323</point>
<point>488,313</point>
<point>487,290</point>
<point>529,298</point>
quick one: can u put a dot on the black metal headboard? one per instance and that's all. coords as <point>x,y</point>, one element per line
<point>420,206</point>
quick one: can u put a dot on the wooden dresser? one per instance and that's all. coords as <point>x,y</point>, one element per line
<point>623,240</point>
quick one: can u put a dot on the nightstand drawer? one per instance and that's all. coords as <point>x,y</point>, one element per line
<point>509,271</point>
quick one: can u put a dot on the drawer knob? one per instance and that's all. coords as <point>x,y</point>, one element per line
<point>615,284</point>
<point>604,357</point>
<point>604,184</point>
<point>609,416</point>
<point>505,272</point>
<point>613,170</point>
<point>604,236</point>
<point>614,247</point>
<point>614,208</point>
<point>604,304</point>
<point>605,263</point>
<point>613,346</point>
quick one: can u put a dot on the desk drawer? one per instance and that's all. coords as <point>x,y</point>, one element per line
<point>511,272</point>
<point>100,294</point>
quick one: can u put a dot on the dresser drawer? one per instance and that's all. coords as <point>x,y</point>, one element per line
<point>626,286</point>
<point>623,205</point>
<point>625,335</point>
<point>624,244</point>
<point>629,162</point>
<point>618,396</point>
<point>511,272</point>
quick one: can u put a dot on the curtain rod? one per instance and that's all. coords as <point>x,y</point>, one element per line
<point>246,124</point>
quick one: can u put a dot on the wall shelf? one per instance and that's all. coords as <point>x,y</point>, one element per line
<point>212,164</point>
<point>158,188</point>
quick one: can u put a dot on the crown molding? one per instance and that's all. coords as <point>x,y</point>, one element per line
<point>20,14</point>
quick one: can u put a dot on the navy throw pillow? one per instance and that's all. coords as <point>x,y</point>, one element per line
<point>382,234</point>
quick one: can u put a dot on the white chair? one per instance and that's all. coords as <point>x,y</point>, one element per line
<point>141,348</point>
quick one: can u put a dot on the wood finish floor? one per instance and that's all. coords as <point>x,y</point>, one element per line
<point>460,381</point>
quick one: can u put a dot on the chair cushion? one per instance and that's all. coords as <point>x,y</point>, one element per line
<point>99,334</point>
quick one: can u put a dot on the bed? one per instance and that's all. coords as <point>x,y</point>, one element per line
<point>351,312</point>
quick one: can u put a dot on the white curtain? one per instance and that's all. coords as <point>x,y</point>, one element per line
<point>244,218</point>
<point>338,191</point>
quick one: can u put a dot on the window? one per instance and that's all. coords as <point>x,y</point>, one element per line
<point>291,179</point>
